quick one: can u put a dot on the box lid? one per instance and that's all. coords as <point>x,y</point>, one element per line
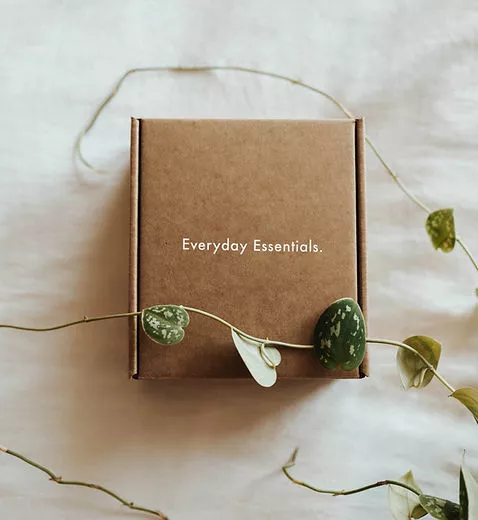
<point>258,221</point>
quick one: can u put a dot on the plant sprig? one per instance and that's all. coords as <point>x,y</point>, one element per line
<point>406,499</point>
<point>339,492</point>
<point>439,224</point>
<point>339,342</point>
<point>57,479</point>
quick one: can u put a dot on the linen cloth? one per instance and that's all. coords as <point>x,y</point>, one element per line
<point>213,450</point>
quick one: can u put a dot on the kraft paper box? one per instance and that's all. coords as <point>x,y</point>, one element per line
<point>260,222</point>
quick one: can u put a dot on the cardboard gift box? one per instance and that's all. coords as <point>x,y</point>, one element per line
<point>261,222</point>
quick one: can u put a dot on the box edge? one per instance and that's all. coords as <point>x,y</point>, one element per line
<point>361,229</point>
<point>133,247</point>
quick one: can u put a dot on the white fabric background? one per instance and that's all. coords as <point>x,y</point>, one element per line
<point>212,450</point>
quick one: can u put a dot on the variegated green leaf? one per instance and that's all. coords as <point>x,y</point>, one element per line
<point>468,397</point>
<point>165,323</point>
<point>440,508</point>
<point>413,371</point>
<point>440,227</point>
<point>339,336</point>
<point>404,504</point>
<point>419,511</point>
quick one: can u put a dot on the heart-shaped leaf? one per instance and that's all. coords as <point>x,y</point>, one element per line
<point>339,336</point>
<point>440,227</point>
<point>413,371</point>
<point>165,323</point>
<point>468,397</point>
<point>440,508</point>
<point>468,494</point>
<point>404,504</point>
<point>258,359</point>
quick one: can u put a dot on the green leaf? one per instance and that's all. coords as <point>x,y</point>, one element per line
<point>419,511</point>
<point>339,336</point>
<point>468,494</point>
<point>404,504</point>
<point>469,397</point>
<point>440,508</point>
<point>165,323</point>
<point>440,227</point>
<point>261,360</point>
<point>413,371</point>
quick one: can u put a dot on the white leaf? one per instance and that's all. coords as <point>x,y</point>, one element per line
<point>249,351</point>
<point>403,503</point>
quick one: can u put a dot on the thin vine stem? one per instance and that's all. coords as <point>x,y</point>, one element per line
<point>242,333</point>
<point>291,463</point>
<point>59,480</point>
<point>411,349</point>
<point>130,72</point>
<point>397,179</point>
<point>460,242</point>
<point>85,319</point>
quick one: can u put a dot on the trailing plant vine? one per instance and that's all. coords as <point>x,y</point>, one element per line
<point>439,224</point>
<point>406,499</point>
<point>339,342</point>
<point>78,483</point>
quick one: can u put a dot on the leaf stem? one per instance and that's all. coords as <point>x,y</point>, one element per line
<point>59,480</point>
<point>242,333</point>
<point>467,252</point>
<point>411,349</point>
<point>291,463</point>
<point>85,319</point>
<point>397,179</point>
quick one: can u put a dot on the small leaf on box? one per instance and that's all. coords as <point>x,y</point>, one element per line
<point>468,397</point>
<point>404,504</point>
<point>165,324</point>
<point>468,494</point>
<point>440,227</point>
<point>339,336</point>
<point>413,371</point>
<point>440,508</point>
<point>250,352</point>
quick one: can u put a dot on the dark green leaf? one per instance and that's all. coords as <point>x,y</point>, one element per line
<point>165,323</point>
<point>440,508</point>
<point>468,397</point>
<point>413,371</point>
<point>339,336</point>
<point>468,494</point>
<point>419,511</point>
<point>463,497</point>
<point>440,227</point>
